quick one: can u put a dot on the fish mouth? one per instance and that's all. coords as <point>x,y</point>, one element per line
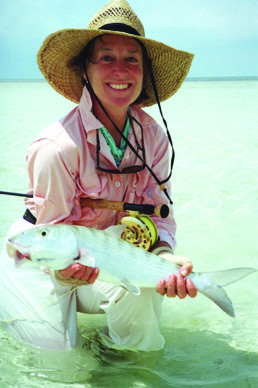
<point>21,254</point>
<point>17,252</point>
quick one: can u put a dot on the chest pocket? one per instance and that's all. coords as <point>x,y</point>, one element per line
<point>92,185</point>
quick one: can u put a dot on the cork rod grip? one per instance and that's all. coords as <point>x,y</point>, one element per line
<point>160,211</point>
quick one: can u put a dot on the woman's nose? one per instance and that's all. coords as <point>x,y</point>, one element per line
<point>120,67</point>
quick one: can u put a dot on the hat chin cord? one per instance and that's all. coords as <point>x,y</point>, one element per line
<point>160,183</point>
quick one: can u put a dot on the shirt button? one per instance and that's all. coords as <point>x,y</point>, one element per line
<point>117,184</point>
<point>127,156</point>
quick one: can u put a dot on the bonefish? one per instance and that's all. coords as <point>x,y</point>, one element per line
<point>58,246</point>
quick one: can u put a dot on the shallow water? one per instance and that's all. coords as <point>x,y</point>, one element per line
<point>214,128</point>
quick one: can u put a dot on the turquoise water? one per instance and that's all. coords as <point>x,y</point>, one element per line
<point>214,128</point>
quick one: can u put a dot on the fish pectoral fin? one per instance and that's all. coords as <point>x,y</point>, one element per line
<point>86,258</point>
<point>218,295</point>
<point>135,290</point>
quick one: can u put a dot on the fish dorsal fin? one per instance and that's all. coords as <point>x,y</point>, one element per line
<point>115,230</point>
<point>86,258</point>
<point>135,290</point>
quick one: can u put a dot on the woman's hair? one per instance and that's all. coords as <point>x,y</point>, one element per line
<point>85,56</point>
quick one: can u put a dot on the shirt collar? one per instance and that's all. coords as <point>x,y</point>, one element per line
<point>90,122</point>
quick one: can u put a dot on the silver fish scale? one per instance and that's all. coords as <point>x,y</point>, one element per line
<point>57,246</point>
<point>113,255</point>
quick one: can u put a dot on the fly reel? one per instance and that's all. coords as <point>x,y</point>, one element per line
<point>140,230</point>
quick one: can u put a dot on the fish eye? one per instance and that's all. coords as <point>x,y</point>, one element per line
<point>43,232</point>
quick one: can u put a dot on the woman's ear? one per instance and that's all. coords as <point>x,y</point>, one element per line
<point>84,77</point>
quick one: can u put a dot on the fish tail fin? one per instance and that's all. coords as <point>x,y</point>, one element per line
<point>219,296</point>
<point>228,276</point>
<point>216,292</point>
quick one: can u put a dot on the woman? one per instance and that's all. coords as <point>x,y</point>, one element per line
<point>108,148</point>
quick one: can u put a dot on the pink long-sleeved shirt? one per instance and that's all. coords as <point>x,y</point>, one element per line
<point>62,169</point>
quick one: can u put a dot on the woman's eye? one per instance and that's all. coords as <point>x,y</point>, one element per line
<point>106,58</point>
<point>132,59</point>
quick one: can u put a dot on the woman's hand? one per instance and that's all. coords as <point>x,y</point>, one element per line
<point>177,285</point>
<point>80,272</point>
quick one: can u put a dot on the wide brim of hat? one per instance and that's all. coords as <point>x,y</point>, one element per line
<point>170,66</point>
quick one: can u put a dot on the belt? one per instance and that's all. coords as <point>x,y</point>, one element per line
<point>28,216</point>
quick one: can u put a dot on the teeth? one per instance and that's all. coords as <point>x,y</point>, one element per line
<point>121,86</point>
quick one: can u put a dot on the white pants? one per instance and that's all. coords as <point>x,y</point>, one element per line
<point>35,309</point>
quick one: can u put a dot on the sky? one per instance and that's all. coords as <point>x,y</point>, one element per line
<point>223,34</point>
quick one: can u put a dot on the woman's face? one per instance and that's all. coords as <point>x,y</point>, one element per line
<point>115,71</point>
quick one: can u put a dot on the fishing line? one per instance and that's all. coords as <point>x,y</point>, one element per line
<point>38,308</point>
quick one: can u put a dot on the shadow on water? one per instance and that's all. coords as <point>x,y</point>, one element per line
<point>189,359</point>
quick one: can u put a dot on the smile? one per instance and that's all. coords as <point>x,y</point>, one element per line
<point>119,86</point>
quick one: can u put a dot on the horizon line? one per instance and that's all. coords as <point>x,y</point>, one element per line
<point>205,78</point>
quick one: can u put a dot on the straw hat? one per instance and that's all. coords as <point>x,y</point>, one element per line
<point>170,66</point>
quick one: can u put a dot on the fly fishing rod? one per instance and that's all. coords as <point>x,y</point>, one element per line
<point>160,211</point>
<point>16,194</point>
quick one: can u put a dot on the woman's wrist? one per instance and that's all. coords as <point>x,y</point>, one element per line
<point>161,250</point>
<point>161,247</point>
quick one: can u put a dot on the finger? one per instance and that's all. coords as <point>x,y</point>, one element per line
<point>83,274</point>
<point>171,286</point>
<point>161,287</point>
<point>69,271</point>
<point>186,269</point>
<point>180,287</point>
<point>191,289</point>
<point>93,275</point>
